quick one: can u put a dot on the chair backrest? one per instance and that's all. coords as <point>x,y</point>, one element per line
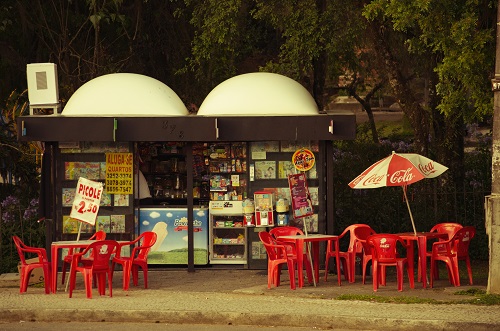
<point>361,234</point>
<point>273,252</point>
<point>22,248</point>
<point>385,246</point>
<point>449,228</point>
<point>462,240</point>
<point>354,245</point>
<point>19,246</point>
<point>285,231</point>
<point>146,240</point>
<point>99,235</point>
<point>101,251</point>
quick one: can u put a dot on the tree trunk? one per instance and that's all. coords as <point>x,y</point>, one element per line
<point>493,201</point>
<point>319,65</point>
<point>416,114</point>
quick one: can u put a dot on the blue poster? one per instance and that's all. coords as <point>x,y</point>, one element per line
<point>171,227</point>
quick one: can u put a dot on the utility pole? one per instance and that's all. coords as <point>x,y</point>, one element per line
<point>492,203</point>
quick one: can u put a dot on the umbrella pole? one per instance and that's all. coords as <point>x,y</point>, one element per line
<point>409,210</point>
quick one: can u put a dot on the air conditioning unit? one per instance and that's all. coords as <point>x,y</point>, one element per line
<point>43,90</point>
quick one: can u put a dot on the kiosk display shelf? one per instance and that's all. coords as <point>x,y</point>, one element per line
<point>228,168</point>
<point>228,241</point>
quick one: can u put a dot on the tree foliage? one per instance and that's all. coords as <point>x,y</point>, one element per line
<point>434,56</point>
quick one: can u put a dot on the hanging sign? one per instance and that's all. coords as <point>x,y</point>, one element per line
<point>303,159</point>
<point>119,173</point>
<point>87,199</point>
<point>301,201</point>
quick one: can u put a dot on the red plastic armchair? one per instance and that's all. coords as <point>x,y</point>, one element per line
<point>137,259</point>
<point>27,268</point>
<point>276,257</point>
<point>385,254</point>
<point>348,258</point>
<point>451,252</point>
<point>290,245</point>
<point>99,267</point>
<point>448,228</point>
<point>66,261</point>
<point>362,234</point>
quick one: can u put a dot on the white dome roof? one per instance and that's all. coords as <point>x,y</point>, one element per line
<point>125,94</point>
<point>259,93</point>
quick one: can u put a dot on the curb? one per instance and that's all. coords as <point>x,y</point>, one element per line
<point>235,318</point>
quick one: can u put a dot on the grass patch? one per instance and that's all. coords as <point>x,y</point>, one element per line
<point>480,298</point>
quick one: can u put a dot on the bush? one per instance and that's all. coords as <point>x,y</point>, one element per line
<point>18,216</point>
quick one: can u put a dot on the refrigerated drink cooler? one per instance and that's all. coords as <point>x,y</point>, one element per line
<point>171,227</point>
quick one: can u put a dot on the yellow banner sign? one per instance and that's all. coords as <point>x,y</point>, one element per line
<point>119,173</point>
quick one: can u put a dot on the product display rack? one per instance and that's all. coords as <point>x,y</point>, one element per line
<point>228,171</point>
<point>229,241</point>
<point>164,167</point>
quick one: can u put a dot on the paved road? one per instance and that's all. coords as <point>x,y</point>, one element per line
<point>92,326</point>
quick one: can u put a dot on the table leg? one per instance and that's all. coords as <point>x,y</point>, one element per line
<point>54,257</point>
<point>337,257</point>
<point>315,248</point>
<point>422,247</point>
<point>300,249</point>
<point>409,256</point>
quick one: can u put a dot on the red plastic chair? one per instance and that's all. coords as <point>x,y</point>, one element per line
<point>99,267</point>
<point>137,259</point>
<point>66,261</point>
<point>451,252</point>
<point>362,234</point>
<point>385,254</point>
<point>290,245</point>
<point>276,257</point>
<point>348,258</point>
<point>450,229</point>
<point>27,268</point>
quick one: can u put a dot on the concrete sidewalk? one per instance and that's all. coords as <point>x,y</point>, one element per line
<point>241,297</point>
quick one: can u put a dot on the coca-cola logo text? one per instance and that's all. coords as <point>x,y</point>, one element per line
<point>427,168</point>
<point>373,180</point>
<point>401,176</point>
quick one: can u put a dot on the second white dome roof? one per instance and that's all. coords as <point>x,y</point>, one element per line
<point>259,93</point>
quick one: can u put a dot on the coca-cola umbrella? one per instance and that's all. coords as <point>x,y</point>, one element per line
<point>398,170</point>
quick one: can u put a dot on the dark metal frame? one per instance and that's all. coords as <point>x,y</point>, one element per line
<point>59,128</point>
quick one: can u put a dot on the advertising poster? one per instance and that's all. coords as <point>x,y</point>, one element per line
<point>87,199</point>
<point>119,173</point>
<point>171,227</point>
<point>265,169</point>
<point>301,200</point>
<point>303,159</point>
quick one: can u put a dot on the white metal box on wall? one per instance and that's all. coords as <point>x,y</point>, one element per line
<point>43,90</point>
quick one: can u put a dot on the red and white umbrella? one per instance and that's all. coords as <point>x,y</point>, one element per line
<point>398,170</point>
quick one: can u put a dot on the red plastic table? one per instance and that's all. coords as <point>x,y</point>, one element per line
<point>54,250</point>
<point>54,255</point>
<point>315,239</point>
<point>421,239</point>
